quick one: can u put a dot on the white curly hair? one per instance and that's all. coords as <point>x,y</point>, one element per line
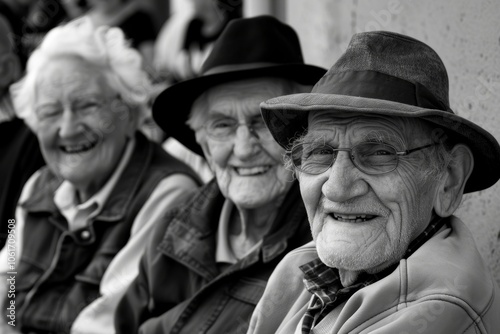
<point>103,46</point>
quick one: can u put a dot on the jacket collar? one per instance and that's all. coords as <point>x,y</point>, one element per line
<point>121,196</point>
<point>190,236</point>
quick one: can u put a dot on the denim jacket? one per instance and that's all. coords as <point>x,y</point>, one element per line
<point>180,288</point>
<point>60,270</point>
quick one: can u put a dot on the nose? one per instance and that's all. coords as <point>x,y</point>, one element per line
<point>69,124</point>
<point>245,143</point>
<point>344,181</point>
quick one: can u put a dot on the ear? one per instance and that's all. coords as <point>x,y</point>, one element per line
<point>451,186</point>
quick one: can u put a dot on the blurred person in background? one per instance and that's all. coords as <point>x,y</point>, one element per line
<point>208,262</point>
<point>128,15</point>
<point>186,38</point>
<point>84,219</point>
<point>19,150</point>
<point>15,12</point>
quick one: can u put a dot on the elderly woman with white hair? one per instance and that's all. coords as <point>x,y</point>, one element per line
<point>82,222</point>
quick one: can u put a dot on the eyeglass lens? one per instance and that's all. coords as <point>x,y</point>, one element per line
<point>371,158</point>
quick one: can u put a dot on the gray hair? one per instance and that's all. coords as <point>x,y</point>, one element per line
<point>102,46</point>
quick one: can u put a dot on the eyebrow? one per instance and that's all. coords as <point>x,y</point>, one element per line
<point>38,108</point>
<point>85,96</point>
<point>212,114</point>
<point>374,136</point>
<point>383,136</point>
<point>308,138</point>
<point>215,113</point>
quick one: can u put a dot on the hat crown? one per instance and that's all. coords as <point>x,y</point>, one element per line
<point>253,42</point>
<point>396,55</point>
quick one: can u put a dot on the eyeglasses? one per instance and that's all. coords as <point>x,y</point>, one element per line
<point>369,157</point>
<point>225,128</point>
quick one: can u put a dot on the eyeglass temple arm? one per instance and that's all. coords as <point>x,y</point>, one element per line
<point>415,149</point>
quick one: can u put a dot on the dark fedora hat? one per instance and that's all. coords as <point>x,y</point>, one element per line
<point>384,73</point>
<point>253,47</point>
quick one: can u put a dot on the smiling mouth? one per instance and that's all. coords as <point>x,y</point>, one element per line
<point>78,148</point>
<point>252,171</point>
<point>351,218</point>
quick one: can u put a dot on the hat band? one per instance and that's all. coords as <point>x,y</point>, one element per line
<point>376,85</point>
<point>238,67</point>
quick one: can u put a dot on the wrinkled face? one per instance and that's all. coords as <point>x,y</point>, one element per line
<point>249,171</point>
<point>83,126</point>
<point>360,221</point>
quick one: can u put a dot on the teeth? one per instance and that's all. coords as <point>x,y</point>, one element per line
<point>352,218</point>
<point>78,148</point>
<point>252,171</point>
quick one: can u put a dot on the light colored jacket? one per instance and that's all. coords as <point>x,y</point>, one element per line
<point>444,287</point>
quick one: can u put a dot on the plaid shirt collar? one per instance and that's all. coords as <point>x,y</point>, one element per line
<point>324,282</point>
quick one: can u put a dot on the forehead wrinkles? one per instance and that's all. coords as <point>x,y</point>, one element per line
<point>244,96</point>
<point>397,130</point>
<point>264,86</point>
<point>77,83</point>
<point>232,104</point>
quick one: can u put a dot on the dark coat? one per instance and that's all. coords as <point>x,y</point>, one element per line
<point>60,270</point>
<point>181,289</point>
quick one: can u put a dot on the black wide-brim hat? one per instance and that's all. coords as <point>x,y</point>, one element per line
<point>253,47</point>
<point>384,73</point>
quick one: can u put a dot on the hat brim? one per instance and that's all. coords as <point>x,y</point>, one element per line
<point>286,117</point>
<point>172,107</point>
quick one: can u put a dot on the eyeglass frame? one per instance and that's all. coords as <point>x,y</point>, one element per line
<point>351,157</point>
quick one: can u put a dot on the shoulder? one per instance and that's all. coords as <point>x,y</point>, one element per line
<point>443,287</point>
<point>173,182</point>
<point>40,186</point>
<point>451,258</point>
<point>299,256</point>
<point>285,295</point>
<point>288,274</point>
<point>165,163</point>
<point>171,191</point>
<point>450,269</point>
<point>30,184</point>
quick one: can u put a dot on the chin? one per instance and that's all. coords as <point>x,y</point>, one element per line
<point>346,258</point>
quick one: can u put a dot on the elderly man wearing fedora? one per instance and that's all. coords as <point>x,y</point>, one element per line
<point>382,162</point>
<point>208,263</point>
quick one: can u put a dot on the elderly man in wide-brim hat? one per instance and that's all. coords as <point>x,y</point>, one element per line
<point>209,262</point>
<point>382,162</point>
